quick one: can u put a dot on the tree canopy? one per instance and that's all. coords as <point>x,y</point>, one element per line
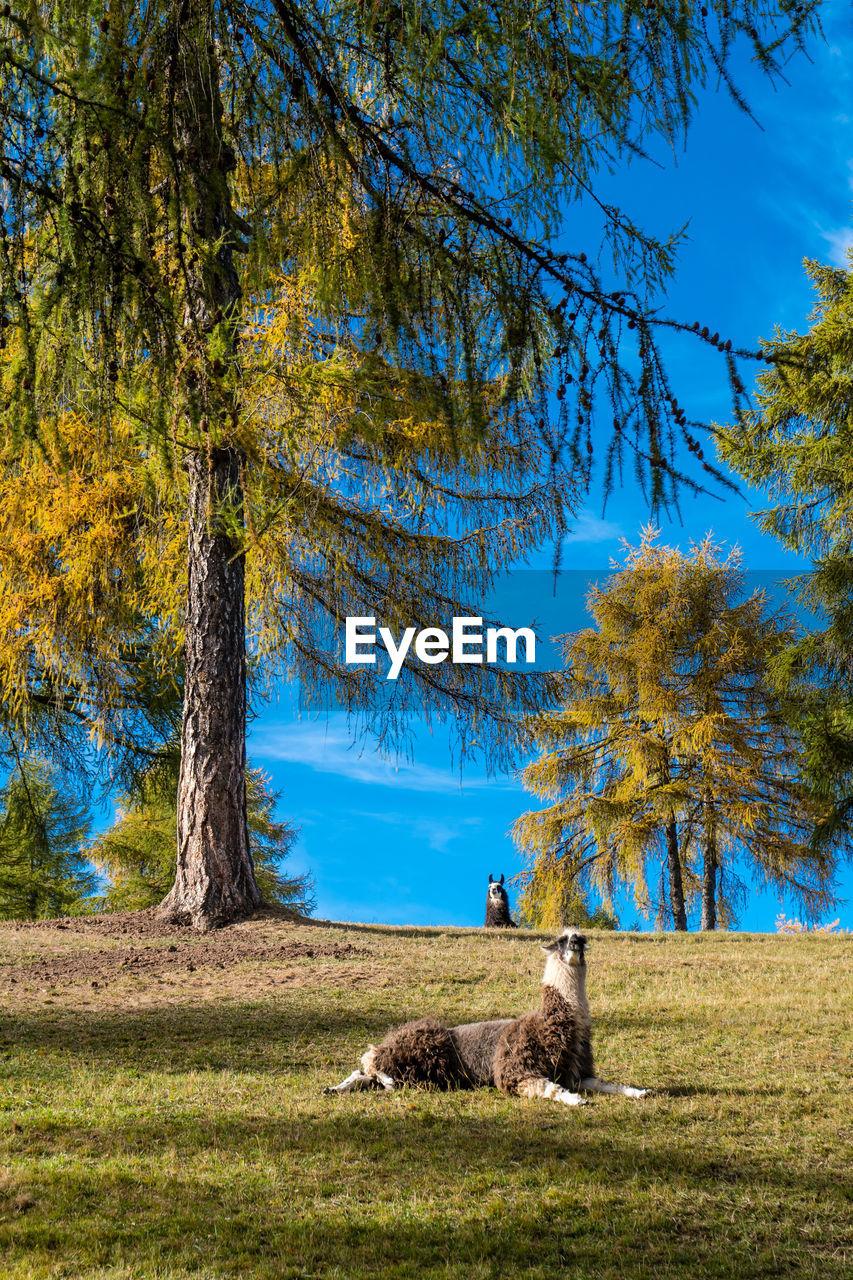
<point>89,647</point>
<point>671,750</point>
<point>413,167</point>
<point>93,559</point>
<point>173,172</point>
<point>797,446</point>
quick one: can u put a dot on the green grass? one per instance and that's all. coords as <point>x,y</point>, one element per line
<point>173,1125</point>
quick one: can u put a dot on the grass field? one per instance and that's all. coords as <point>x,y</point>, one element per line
<point>162,1113</point>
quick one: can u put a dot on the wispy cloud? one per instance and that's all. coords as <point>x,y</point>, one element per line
<point>328,748</point>
<point>840,242</point>
<point>435,833</point>
<point>808,195</point>
<point>588,527</point>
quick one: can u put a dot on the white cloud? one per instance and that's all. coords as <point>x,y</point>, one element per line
<point>328,748</point>
<point>840,242</point>
<point>435,833</point>
<point>589,527</point>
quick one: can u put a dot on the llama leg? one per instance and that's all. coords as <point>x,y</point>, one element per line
<point>357,1080</point>
<point>368,1064</point>
<point>602,1086</point>
<point>542,1088</point>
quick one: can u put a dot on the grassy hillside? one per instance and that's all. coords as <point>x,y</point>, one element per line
<point>161,1112</point>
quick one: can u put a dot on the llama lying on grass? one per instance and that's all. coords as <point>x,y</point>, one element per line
<point>544,1054</point>
<point>497,906</point>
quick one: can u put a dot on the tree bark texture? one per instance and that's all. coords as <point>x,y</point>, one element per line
<point>676,886</point>
<point>215,880</point>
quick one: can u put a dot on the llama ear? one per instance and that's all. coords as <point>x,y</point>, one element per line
<point>490,877</point>
<point>552,946</point>
<point>501,879</point>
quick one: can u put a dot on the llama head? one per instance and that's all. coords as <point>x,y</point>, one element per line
<point>497,892</point>
<point>568,949</point>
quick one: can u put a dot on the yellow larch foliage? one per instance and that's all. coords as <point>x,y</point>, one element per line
<point>671,722</point>
<point>86,561</point>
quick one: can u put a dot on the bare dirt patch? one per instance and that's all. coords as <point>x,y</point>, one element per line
<point>116,962</point>
<point>140,944</point>
<point>141,924</point>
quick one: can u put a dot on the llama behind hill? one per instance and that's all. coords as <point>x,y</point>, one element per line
<point>544,1054</point>
<point>497,906</point>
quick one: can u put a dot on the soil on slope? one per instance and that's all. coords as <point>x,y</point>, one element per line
<point>102,951</point>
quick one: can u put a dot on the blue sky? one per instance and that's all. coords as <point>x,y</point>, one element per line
<point>408,842</point>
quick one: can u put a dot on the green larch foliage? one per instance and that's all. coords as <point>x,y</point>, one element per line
<point>413,164</point>
<point>136,854</point>
<point>797,446</point>
<point>669,719</point>
<point>44,829</point>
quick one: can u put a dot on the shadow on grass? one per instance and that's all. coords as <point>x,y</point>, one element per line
<point>396,1139</point>
<point>723,1090</point>
<point>259,1036</point>
<point>271,1036</point>
<point>363,1192</point>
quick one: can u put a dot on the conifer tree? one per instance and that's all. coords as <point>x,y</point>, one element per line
<point>137,853</point>
<point>44,828</point>
<point>797,446</point>
<point>92,557</point>
<point>671,748</point>
<point>161,163</point>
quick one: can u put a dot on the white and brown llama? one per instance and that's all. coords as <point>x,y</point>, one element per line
<point>543,1054</point>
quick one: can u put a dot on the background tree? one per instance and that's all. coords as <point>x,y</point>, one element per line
<point>672,746</point>
<point>797,446</point>
<point>551,899</point>
<point>137,854</point>
<point>44,829</point>
<point>151,158</point>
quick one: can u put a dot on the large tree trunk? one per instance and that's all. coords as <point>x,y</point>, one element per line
<point>676,886</point>
<point>215,881</point>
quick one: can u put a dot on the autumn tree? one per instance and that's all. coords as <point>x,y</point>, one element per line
<point>137,853</point>
<point>671,747</point>
<point>797,447</point>
<point>163,164</point>
<point>44,828</point>
<point>88,657</point>
<point>92,557</point>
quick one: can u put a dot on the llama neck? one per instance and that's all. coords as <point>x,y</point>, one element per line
<point>569,981</point>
